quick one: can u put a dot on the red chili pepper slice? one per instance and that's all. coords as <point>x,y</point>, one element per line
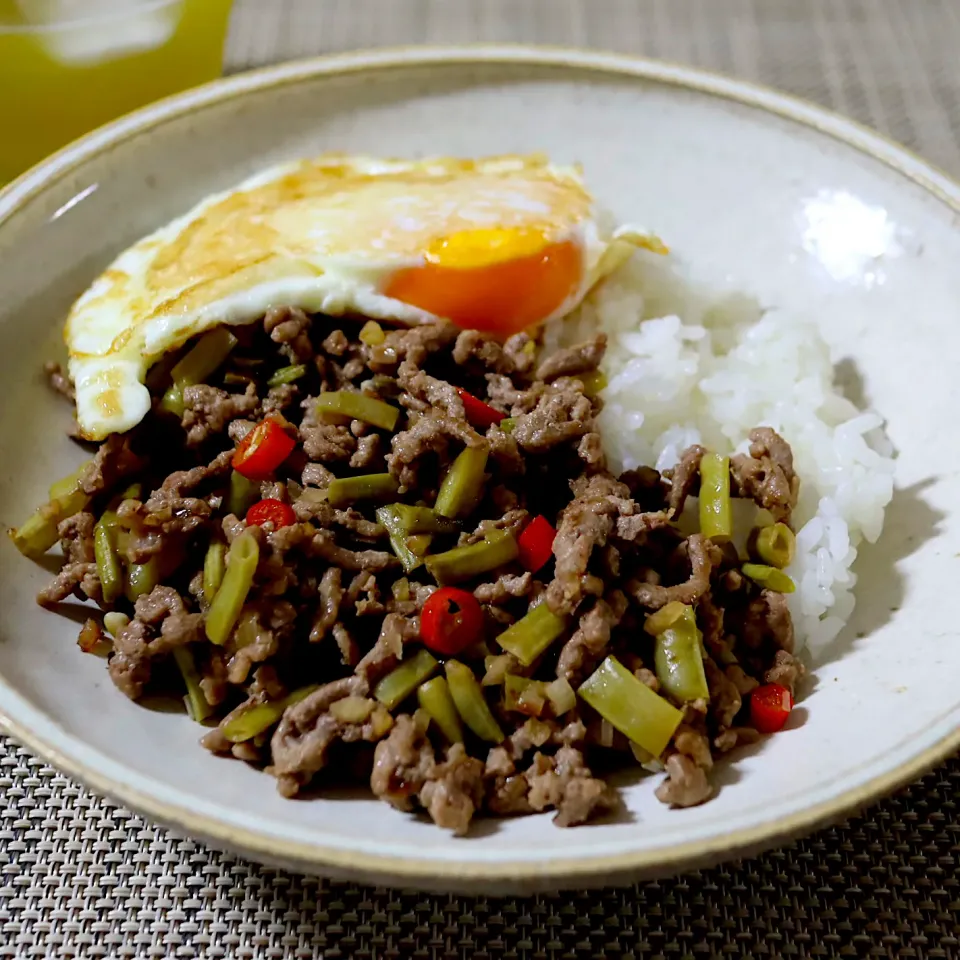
<point>276,512</point>
<point>536,543</point>
<point>770,705</point>
<point>451,620</point>
<point>480,414</point>
<point>262,450</point>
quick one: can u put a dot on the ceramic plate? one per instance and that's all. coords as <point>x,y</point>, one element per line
<point>733,177</point>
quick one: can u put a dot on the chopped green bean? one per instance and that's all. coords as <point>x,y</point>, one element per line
<point>419,545</point>
<point>462,486</point>
<point>65,486</point>
<point>434,697</point>
<point>347,405</point>
<point>249,720</point>
<point>105,553</point>
<point>774,545</point>
<point>665,617</point>
<point>532,634</point>
<point>716,516</point>
<point>397,685</point>
<point>242,494</point>
<point>371,486</point>
<point>507,424</point>
<point>523,695</point>
<point>769,577</point>
<point>197,705</point>
<point>287,375</point>
<point>371,333</point>
<point>141,579</point>
<point>232,379</point>
<point>593,382</point>
<point>422,520</point>
<point>468,697</point>
<point>631,706</point>
<point>237,580</point>
<point>38,533</point>
<point>213,568</point>
<point>462,563</point>
<point>678,659</point>
<point>389,518</point>
<point>203,359</point>
<point>114,621</point>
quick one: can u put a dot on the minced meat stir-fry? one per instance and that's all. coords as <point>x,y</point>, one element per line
<point>399,555</point>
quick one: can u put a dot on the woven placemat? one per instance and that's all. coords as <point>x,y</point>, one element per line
<point>80,877</point>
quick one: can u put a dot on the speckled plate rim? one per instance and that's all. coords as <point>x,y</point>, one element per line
<point>102,774</point>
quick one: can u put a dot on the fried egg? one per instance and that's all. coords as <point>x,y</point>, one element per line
<point>498,244</point>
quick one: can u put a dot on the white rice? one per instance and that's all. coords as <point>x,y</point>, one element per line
<point>711,374</point>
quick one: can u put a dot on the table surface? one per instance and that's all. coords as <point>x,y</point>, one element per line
<point>81,877</point>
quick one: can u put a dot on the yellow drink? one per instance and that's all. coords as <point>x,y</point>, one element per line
<point>64,72</point>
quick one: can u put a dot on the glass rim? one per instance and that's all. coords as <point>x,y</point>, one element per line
<point>126,10</point>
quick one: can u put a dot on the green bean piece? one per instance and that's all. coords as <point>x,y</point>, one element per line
<point>232,379</point>
<point>630,706</point>
<point>172,400</point>
<point>371,486</point>
<point>468,697</point>
<point>774,545</point>
<point>205,357</point>
<point>423,520</point>
<point>197,705</point>
<point>141,579</point>
<point>665,617</point>
<point>400,682</point>
<point>769,577</point>
<point>371,333</point>
<point>105,553</point>
<point>507,424</point>
<point>389,518</point>
<point>532,634</point>
<point>462,563</point>
<point>716,515</point>
<point>287,375</point>
<point>249,720</point>
<point>593,382</point>
<point>242,494</point>
<point>523,695</point>
<point>237,580</point>
<point>114,621</point>
<point>434,697</point>
<point>419,544</point>
<point>67,485</point>
<point>38,533</point>
<point>462,486</point>
<point>214,564</point>
<point>678,660</point>
<point>347,405</point>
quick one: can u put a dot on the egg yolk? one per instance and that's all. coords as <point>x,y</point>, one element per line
<point>499,281</point>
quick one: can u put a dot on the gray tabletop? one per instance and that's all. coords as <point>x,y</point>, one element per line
<point>80,877</point>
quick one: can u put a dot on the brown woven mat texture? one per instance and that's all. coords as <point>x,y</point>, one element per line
<point>83,878</point>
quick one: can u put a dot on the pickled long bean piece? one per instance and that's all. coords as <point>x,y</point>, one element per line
<point>434,697</point>
<point>532,634</point>
<point>397,685</point>
<point>109,570</point>
<point>387,517</point>
<point>462,563</point>
<point>202,360</point>
<point>774,545</point>
<point>468,697</point>
<point>287,375</point>
<point>214,565</point>
<point>348,405</point>
<point>716,515</point>
<point>422,520</point>
<point>196,702</point>
<point>678,660</point>
<point>246,721</point>
<point>237,580</point>
<point>631,706</point>
<point>769,577</point>
<point>463,484</point>
<point>141,578</point>
<point>38,533</point>
<point>371,486</point>
<point>242,494</point>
